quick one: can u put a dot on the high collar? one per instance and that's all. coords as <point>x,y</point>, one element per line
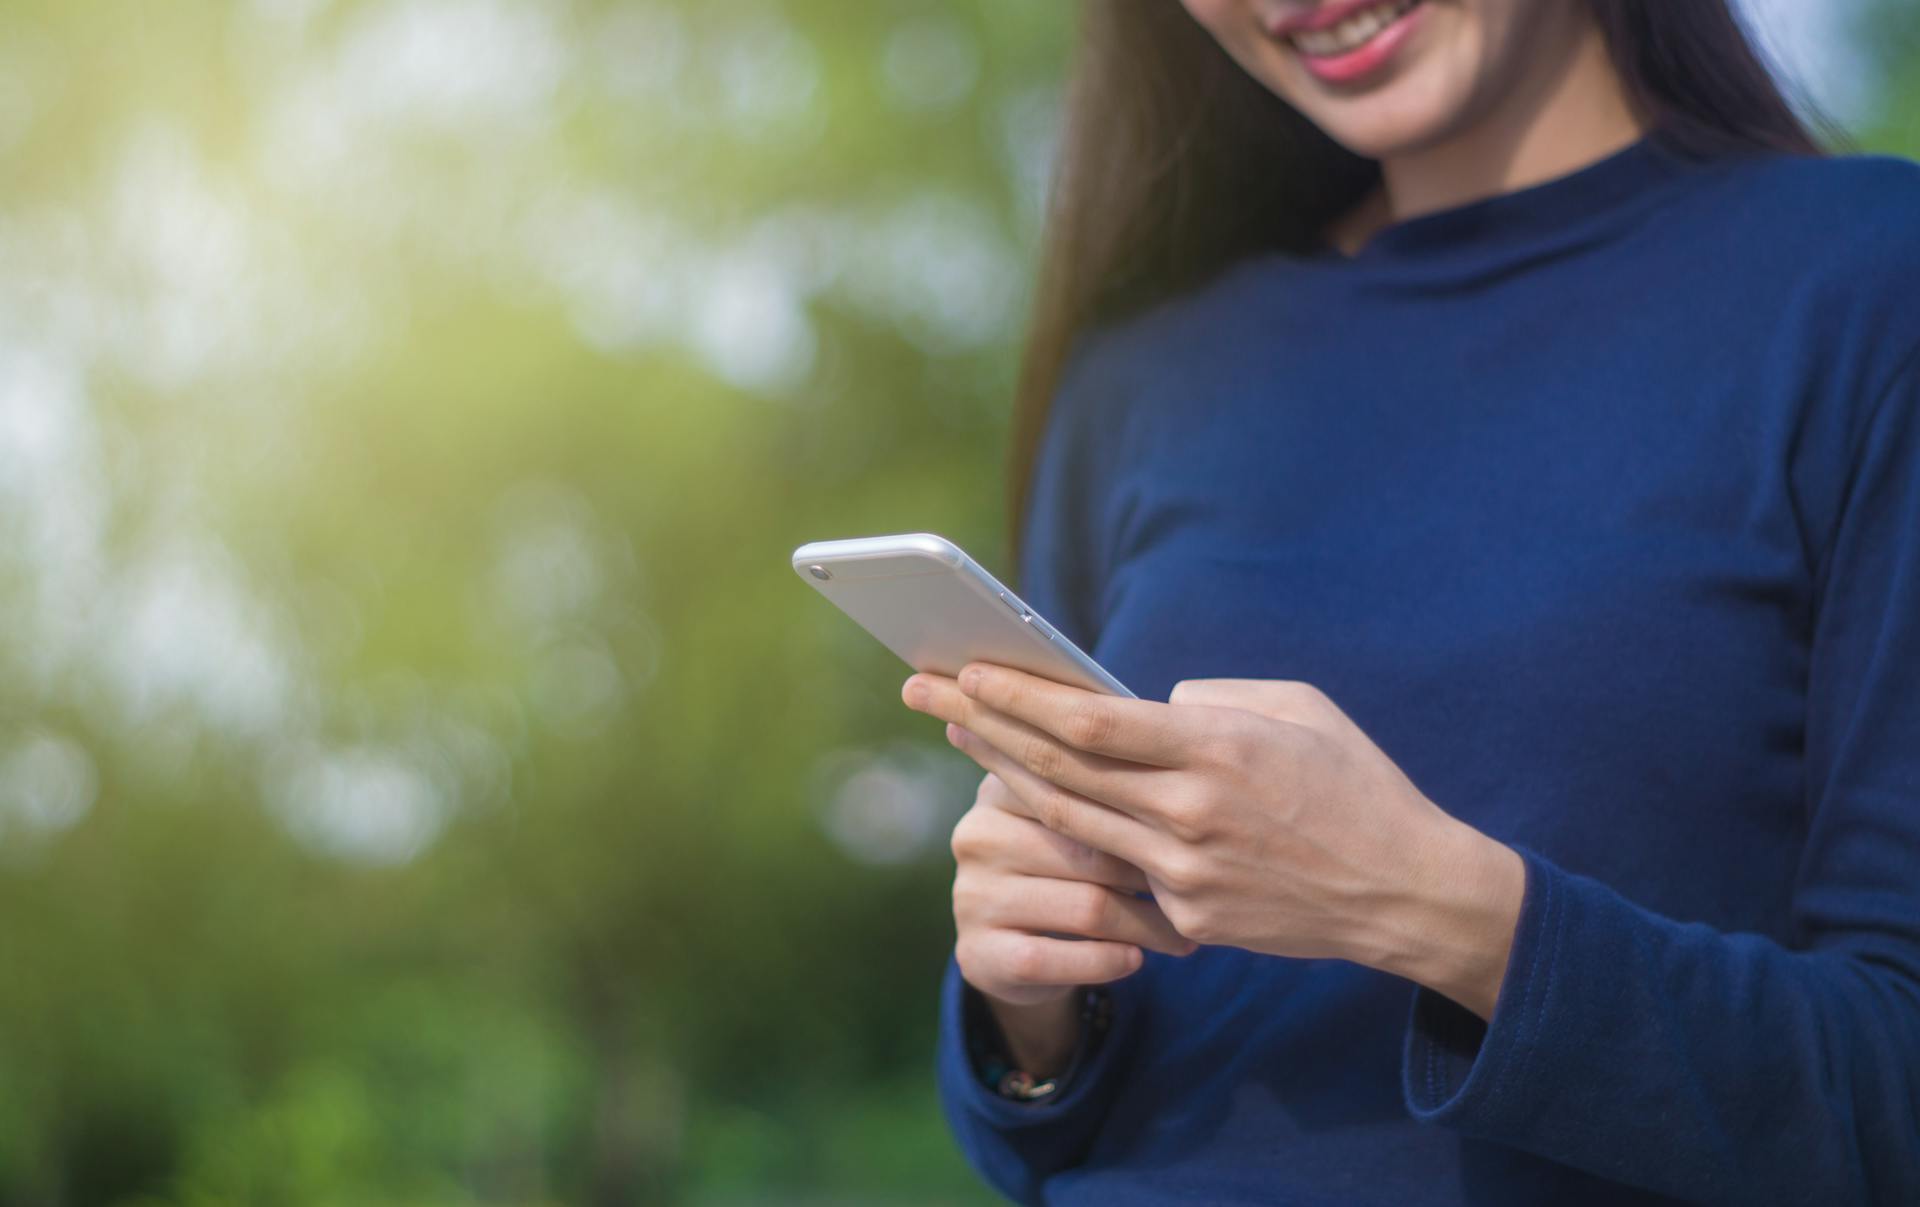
<point>1526,224</point>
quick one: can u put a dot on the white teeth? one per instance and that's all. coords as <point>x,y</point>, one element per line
<point>1353,33</point>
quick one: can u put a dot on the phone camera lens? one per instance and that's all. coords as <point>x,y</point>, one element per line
<point>819,572</point>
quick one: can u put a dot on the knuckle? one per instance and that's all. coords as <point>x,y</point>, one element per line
<point>1089,725</point>
<point>1061,813</point>
<point>966,840</point>
<point>1179,915</point>
<point>1182,871</point>
<point>1040,757</point>
<point>1050,810</point>
<point>1025,959</point>
<point>980,836</point>
<point>977,966</point>
<point>967,899</point>
<point>1307,698</point>
<point>1088,915</point>
<point>1200,925</point>
<point>1188,815</point>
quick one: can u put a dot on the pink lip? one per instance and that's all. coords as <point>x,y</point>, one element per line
<point>1355,64</point>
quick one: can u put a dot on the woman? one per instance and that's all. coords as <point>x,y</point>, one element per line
<point>1508,396</point>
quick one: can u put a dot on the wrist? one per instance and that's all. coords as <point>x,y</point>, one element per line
<point>1040,1038</point>
<point>1457,928</point>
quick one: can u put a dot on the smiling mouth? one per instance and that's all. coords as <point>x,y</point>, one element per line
<point>1354,32</point>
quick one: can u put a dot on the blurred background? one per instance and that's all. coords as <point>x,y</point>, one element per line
<point>422,780</point>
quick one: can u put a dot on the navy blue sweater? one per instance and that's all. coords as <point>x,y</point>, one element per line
<point>1597,505</point>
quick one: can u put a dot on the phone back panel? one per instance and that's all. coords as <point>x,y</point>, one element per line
<point>936,608</point>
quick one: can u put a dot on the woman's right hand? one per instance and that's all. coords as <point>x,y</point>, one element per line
<point>1018,887</point>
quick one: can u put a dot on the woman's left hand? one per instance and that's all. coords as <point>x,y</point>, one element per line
<point>1261,815</point>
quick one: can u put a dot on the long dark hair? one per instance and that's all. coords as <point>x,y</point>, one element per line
<point>1176,163</point>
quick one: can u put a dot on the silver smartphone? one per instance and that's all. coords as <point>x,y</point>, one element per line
<point>930,603</point>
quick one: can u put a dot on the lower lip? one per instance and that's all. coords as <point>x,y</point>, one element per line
<point>1363,61</point>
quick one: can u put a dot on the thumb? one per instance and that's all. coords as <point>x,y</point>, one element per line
<point>1277,699</point>
<point>1219,693</point>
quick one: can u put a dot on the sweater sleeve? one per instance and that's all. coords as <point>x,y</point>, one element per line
<point>1016,1146</point>
<point>1733,1068</point>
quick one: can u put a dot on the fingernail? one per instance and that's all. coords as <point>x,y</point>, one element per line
<point>916,692</point>
<point>956,735</point>
<point>970,680</point>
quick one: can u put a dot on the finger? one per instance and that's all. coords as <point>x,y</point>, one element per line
<point>1139,731</point>
<point>1064,812</point>
<point>1279,699</point>
<point>1042,960</point>
<point>1134,788</point>
<point>998,834</point>
<point>1070,859</point>
<point>1143,732</point>
<point>1217,693</point>
<point>1085,911</point>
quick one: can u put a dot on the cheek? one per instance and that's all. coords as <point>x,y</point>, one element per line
<point>1492,49</point>
<point>1434,90</point>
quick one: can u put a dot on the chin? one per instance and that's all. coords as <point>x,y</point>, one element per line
<point>1405,90</point>
<point>1400,118</point>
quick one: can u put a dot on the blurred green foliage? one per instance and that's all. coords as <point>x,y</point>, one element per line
<point>421,778</point>
<point>1888,32</point>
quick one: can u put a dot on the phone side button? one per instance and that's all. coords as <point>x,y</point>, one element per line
<point>1017,610</point>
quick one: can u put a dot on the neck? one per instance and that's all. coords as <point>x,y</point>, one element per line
<point>1570,110</point>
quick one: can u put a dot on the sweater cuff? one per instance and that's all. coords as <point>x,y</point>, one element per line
<point>1086,1085</point>
<point>1479,1076</point>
